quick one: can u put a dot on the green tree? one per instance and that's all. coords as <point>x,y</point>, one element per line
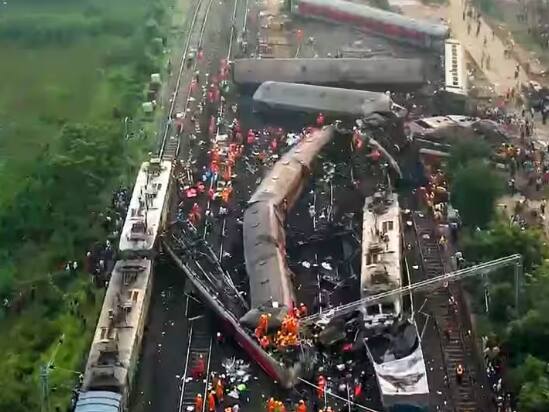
<point>530,335</point>
<point>534,396</point>
<point>463,152</point>
<point>475,188</point>
<point>502,301</point>
<point>502,239</point>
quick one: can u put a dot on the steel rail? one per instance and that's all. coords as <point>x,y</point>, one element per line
<point>182,67</point>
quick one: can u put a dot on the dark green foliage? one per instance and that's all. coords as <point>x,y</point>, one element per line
<point>475,188</point>
<point>61,195</point>
<point>502,302</point>
<point>464,152</point>
<point>502,239</point>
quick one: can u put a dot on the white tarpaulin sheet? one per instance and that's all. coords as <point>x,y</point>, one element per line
<point>403,380</point>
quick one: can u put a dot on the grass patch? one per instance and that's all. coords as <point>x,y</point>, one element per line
<point>71,70</point>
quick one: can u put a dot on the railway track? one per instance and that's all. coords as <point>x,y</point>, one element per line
<point>456,350</point>
<point>169,148</point>
<point>199,349</point>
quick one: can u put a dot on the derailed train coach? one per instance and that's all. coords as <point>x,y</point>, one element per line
<point>379,73</point>
<point>419,33</point>
<point>333,101</point>
<point>264,235</point>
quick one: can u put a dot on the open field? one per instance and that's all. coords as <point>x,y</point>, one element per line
<point>45,85</point>
<point>71,71</point>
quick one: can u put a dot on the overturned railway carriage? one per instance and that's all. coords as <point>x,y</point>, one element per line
<point>374,73</point>
<point>194,257</point>
<point>313,99</point>
<point>115,349</point>
<point>419,33</point>
<point>264,234</point>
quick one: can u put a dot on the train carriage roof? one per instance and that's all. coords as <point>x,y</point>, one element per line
<point>267,270</point>
<point>424,26</point>
<point>363,72</point>
<point>313,99</point>
<point>99,401</point>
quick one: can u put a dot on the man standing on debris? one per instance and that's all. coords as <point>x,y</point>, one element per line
<point>301,407</point>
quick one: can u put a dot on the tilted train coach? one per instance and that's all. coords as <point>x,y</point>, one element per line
<point>419,33</point>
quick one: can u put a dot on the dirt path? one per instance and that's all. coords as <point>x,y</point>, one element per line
<point>501,69</point>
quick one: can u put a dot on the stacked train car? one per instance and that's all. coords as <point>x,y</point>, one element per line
<point>374,74</point>
<point>112,360</point>
<point>418,33</point>
<point>264,234</point>
<point>332,101</point>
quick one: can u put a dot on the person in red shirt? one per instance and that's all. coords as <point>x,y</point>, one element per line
<point>219,391</point>
<point>271,403</point>
<point>199,368</point>
<point>320,120</point>
<point>198,403</point>
<point>251,137</point>
<point>211,402</point>
<point>321,387</point>
<point>301,407</point>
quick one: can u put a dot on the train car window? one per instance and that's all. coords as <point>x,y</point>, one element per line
<point>372,258</point>
<point>387,308</point>
<point>103,333</point>
<point>387,226</point>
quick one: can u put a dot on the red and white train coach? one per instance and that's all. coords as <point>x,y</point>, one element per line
<point>419,33</point>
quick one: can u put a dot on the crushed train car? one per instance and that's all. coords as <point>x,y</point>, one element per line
<point>419,33</point>
<point>328,100</point>
<point>264,233</point>
<point>377,73</point>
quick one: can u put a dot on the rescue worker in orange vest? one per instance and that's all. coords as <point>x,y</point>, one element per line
<point>459,374</point>
<point>198,403</point>
<point>303,311</point>
<point>262,326</point>
<point>292,326</point>
<point>264,342</point>
<point>301,407</point>
<point>219,391</point>
<point>271,403</point>
<point>320,120</point>
<point>211,402</point>
<point>295,312</point>
<point>291,340</point>
<point>321,387</point>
